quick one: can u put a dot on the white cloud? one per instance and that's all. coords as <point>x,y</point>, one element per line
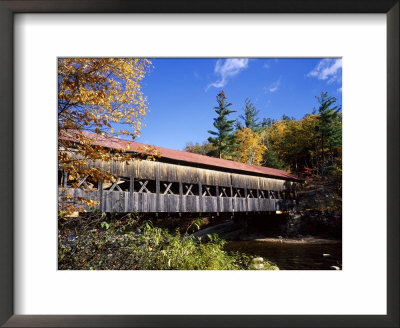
<point>226,69</point>
<point>327,69</point>
<point>273,86</point>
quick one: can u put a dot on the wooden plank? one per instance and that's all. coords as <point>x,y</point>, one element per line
<point>191,204</point>
<point>181,208</point>
<point>218,199</point>
<point>106,201</point>
<point>117,201</point>
<point>143,202</point>
<point>215,203</point>
<point>101,205</point>
<point>158,206</point>
<point>161,202</point>
<point>200,196</point>
<point>131,189</point>
<point>245,197</point>
<point>139,199</point>
<point>153,207</point>
<point>122,201</point>
<point>183,204</point>
<point>127,197</point>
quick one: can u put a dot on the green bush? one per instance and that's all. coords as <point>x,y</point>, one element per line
<point>128,244</point>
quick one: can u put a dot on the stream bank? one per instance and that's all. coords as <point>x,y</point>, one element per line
<point>293,254</point>
<point>277,238</point>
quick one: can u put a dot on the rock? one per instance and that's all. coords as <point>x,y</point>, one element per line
<point>334,267</point>
<point>257,266</point>
<point>258,260</point>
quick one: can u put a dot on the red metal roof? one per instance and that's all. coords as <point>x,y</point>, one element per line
<point>178,155</point>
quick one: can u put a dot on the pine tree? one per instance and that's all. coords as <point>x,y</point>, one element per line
<point>223,140</point>
<point>329,130</point>
<point>267,122</point>
<point>250,116</point>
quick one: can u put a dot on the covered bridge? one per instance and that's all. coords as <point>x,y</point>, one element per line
<point>180,182</point>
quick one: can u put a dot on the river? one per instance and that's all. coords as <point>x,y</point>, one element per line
<point>293,254</point>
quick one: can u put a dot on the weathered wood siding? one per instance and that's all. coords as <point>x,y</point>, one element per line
<point>187,174</point>
<point>117,201</point>
<point>195,190</point>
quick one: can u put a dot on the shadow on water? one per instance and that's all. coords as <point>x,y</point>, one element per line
<point>293,255</point>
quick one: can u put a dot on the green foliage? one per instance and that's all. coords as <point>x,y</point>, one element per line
<point>250,117</point>
<point>223,140</point>
<point>266,122</point>
<point>329,130</point>
<point>196,223</point>
<point>128,244</point>
<point>271,159</point>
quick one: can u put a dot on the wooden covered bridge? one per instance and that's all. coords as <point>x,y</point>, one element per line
<point>180,182</point>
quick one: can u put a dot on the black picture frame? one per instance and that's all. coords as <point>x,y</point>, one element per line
<point>7,11</point>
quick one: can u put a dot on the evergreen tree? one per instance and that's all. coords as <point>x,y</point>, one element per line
<point>238,125</point>
<point>267,122</point>
<point>271,159</point>
<point>329,130</point>
<point>250,116</point>
<point>223,140</point>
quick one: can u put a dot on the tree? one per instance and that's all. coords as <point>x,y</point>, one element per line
<point>266,122</point>
<point>250,148</point>
<point>102,96</point>
<point>203,149</point>
<point>223,140</point>
<point>250,116</point>
<point>329,130</point>
<point>271,159</point>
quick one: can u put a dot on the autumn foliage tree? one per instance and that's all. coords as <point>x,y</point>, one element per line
<point>310,147</point>
<point>102,96</point>
<point>307,146</point>
<point>250,148</point>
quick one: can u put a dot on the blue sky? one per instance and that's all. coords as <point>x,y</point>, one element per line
<point>181,92</point>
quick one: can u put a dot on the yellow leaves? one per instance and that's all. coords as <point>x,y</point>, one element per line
<point>107,87</point>
<point>93,93</point>
<point>251,148</point>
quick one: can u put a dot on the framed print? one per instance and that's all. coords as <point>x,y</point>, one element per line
<point>39,288</point>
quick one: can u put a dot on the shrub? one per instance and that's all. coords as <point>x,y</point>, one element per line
<point>128,244</point>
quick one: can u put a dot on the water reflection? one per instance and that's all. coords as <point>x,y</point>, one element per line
<point>292,255</point>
